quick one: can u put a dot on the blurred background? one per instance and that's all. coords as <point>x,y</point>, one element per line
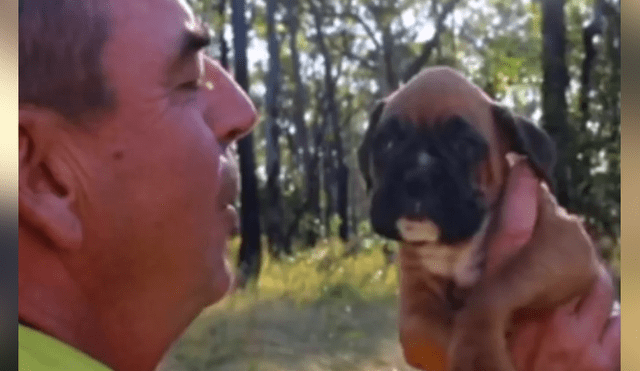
<point>317,286</point>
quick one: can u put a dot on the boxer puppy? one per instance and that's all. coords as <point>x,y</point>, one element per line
<point>434,159</point>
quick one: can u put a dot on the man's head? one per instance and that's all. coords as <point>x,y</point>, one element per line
<point>435,151</point>
<point>126,177</point>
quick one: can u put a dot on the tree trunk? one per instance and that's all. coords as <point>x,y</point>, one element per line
<point>224,49</point>
<point>342,202</point>
<point>391,80</point>
<point>313,187</point>
<point>249,257</point>
<point>303,153</point>
<point>335,156</point>
<point>274,213</point>
<point>581,171</point>
<point>300,94</point>
<point>554,86</point>
<point>327,183</point>
<point>605,23</point>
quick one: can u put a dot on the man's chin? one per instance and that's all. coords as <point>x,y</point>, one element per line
<point>224,283</point>
<point>221,280</point>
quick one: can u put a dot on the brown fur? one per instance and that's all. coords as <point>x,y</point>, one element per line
<point>557,264</point>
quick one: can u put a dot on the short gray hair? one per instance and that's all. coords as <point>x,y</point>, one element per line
<point>60,56</point>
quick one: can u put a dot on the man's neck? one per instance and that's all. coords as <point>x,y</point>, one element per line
<point>63,316</point>
<point>120,344</point>
<point>140,334</point>
<point>128,334</point>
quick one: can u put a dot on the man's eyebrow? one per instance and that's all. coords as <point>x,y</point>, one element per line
<point>193,40</point>
<point>190,41</point>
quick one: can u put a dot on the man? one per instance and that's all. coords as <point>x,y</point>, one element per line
<point>125,176</point>
<point>125,181</point>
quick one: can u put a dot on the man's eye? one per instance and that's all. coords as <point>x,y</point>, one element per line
<point>190,85</point>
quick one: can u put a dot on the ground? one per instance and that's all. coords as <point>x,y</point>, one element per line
<point>319,311</point>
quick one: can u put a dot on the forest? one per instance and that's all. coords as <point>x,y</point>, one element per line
<point>320,285</point>
<point>315,68</point>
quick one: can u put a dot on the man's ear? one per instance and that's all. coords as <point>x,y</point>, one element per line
<point>365,146</point>
<point>46,185</point>
<point>528,139</point>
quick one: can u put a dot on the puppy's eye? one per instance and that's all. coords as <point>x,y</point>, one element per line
<point>464,148</point>
<point>391,142</point>
<point>464,140</point>
<point>470,148</point>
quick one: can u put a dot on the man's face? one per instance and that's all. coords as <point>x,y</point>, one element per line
<point>158,178</point>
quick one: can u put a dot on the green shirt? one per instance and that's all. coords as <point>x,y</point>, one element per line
<point>41,352</point>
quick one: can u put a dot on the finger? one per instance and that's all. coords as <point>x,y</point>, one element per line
<point>517,215</point>
<point>564,319</point>
<point>604,356</point>
<point>611,338</point>
<point>568,309</point>
<point>519,205</point>
<point>595,309</point>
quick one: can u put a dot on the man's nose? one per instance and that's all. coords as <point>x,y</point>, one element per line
<point>229,112</point>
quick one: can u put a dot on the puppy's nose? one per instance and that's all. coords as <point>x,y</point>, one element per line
<point>416,182</point>
<point>424,159</point>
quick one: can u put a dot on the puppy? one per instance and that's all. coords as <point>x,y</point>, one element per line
<point>434,159</point>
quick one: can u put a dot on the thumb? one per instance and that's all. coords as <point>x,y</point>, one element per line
<point>517,214</point>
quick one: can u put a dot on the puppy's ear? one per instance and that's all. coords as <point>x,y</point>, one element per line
<point>365,147</point>
<point>528,139</point>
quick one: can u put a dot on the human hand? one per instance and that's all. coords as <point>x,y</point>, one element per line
<point>579,336</point>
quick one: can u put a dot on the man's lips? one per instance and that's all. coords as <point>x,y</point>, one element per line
<point>229,178</point>
<point>231,217</point>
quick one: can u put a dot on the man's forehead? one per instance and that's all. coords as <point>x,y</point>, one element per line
<point>152,19</point>
<point>128,7</point>
<point>148,35</point>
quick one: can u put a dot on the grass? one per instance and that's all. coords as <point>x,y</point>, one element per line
<point>317,311</point>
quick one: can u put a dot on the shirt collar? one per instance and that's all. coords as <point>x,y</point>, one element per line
<point>38,351</point>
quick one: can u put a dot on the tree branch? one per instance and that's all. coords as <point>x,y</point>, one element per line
<point>366,27</point>
<point>588,33</point>
<point>430,45</point>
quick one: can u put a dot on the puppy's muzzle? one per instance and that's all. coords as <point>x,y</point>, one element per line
<point>422,184</point>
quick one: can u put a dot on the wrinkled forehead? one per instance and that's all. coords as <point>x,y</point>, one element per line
<point>437,94</point>
<point>145,38</point>
<point>147,16</point>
